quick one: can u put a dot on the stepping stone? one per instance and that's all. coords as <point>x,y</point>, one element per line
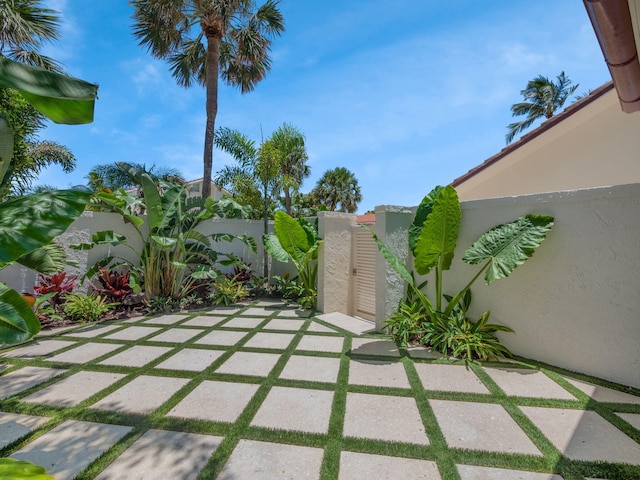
<point>423,352</point>
<point>472,472</point>
<point>211,401</point>
<point>191,359</point>
<point>284,324</point>
<point>259,312</point>
<point>14,426</point>
<point>142,395</point>
<point>292,313</point>
<point>222,337</point>
<point>272,461</point>
<point>84,353</point>
<point>321,343</point>
<point>356,466</point>
<point>70,447</point>
<point>449,378</point>
<point>249,363</point>
<point>383,417</point>
<point>522,382</point>
<point>25,378</point>
<point>299,409</point>
<point>604,394</point>
<point>374,346</point>
<point>584,435</point>
<point>378,373</point>
<point>132,333</point>
<point>204,321</point>
<point>136,356</point>
<point>318,327</point>
<point>278,341</point>
<point>312,369</point>
<point>38,349</point>
<point>176,335</point>
<point>163,454</point>
<point>277,304</point>
<point>92,331</point>
<point>166,319</point>
<point>345,322</point>
<point>481,426</point>
<point>226,310</point>
<point>74,389</point>
<point>631,418</point>
<point>243,322</point>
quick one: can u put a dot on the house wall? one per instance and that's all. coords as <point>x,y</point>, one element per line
<point>596,146</point>
<point>575,303</point>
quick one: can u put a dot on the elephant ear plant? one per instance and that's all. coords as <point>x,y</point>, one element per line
<point>296,240</point>
<point>442,322</point>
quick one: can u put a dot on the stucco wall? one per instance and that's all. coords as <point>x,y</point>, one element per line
<point>576,302</point>
<point>596,146</point>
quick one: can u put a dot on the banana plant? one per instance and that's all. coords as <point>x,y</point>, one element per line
<point>295,240</point>
<point>174,253</point>
<point>433,237</point>
<point>29,224</point>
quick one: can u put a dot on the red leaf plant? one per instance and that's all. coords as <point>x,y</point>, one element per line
<point>114,285</point>
<point>57,283</point>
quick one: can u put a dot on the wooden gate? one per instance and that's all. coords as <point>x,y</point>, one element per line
<point>363,274</point>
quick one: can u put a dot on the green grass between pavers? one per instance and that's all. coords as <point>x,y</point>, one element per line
<point>333,442</point>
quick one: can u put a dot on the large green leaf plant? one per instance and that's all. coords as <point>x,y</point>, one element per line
<point>442,322</point>
<point>296,240</point>
<point>174,254</point>
<point>29,224</point>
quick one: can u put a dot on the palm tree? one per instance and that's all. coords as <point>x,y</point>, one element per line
<point>205,39</point>
<point>118,175</point>
<point>543,98</point>
<point>24,27</point>
<point>338,187</point>
<point>289,142</point>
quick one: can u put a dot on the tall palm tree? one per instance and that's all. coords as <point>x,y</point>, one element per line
<point>118,175</point>
<point>543,98</point>
<point>288,141</point>
<point>205,39</point>
<point>338,187</point>
<point>25,26</point>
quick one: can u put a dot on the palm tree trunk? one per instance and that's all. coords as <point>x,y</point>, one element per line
<point>287,201</point>
<point>213,61</point>
<point>265,219</point>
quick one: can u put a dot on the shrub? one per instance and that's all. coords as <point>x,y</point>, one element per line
<point>58,284</point>
<point>85,308</point>
<point>229,291</point>
<point>113,285</point>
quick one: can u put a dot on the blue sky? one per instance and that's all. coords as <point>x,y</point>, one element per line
<point>406,94</point>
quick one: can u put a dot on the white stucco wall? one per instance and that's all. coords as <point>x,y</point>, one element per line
<point>576,302</point>
<point>596,146</point>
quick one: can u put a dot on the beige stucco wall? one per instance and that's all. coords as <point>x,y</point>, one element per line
<point>334,261</point>
<point>596,146</point>
<point>576,302</point>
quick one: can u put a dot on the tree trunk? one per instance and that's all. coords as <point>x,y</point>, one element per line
<point>265,219</point>
<point>213,62</point>
<point>287,201</point>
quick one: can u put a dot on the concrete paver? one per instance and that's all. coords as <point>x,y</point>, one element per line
<point>277,341</point>
<point>472,472</point>
<point>67,449</point>
<point>523,382</point>
<point>449,378</point>
<point>271,461</point>
<point>604,394</point>
<point>356,466</point>
<point>176,335</point>
<point>243,322</point>
<point>204,321</point>
<point>84,353</point>
<point>132,333</point>
<point>378,373</point>
<point>136,356</point>
<point>92,331</point>
<point>284,324</point>
<point>225,310</point>
<point>211,401</point>
<point>74,389</point>
<point>25,378</point>
<point>383,417</point>
<point>306,410</point>
<point>163,454</point>
<point>166,319</point>
<point>584,435</point>
<point>321,343</point>
<point>38,349</point>
<point>248,363</point>
<point>319,328</point>
<point>313,369</point>
<point>348,323</point>
<point>418,351</point>
<point>221,337</point>
<point>294,313</point>
<point>142,395</point>
<point>259,312</point>
<point>374,346</point>
<point>632,418</point>
<point>191,359</point>
<point>14,425</point>
<point>481,426</point>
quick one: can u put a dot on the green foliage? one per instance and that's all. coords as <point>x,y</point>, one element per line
<point>18,323</point>
<point>11,468</point>
<point>432,239</point>
<point>85,308</point>
<point>229,291</point>
<point>338,190</point>
<point>296,240</point>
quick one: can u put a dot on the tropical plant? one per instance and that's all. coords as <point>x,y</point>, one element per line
<point>205,40</point>
<point>542,99</point>
<point>229,291</point>
<point>288,142</point>
<point>29,224</point>
<point>86,308</point>
<point>11,468</point>
<point>118,175</point>
<point>114,285</point>
<point>175,255</point>
<point>338,190</point>
<point>432,240</point>
<point>58,284</point>
<point>296,240</point>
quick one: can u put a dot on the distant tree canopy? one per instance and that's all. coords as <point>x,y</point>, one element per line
<point>338,190</point>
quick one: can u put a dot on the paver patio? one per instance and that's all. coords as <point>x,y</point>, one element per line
<point>260,392</point>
